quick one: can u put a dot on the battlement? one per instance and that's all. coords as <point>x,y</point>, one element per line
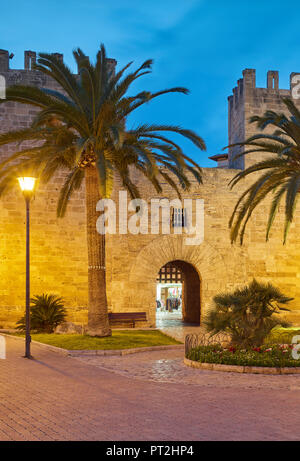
<point>248,100</point>
<point>249,79</point>
<point>30,60</point>
<point>246,87</point>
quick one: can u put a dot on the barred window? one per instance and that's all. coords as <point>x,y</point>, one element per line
<point>179,217</point>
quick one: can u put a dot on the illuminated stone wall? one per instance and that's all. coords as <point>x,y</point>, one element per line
<point>59,254</point>
<point>134,261</point>
<point>58,247</point>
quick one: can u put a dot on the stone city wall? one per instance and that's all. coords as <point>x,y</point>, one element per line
<point>59,253</point>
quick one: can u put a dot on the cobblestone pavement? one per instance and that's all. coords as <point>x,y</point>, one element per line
<point>146,396</point>
<point>168,367</point>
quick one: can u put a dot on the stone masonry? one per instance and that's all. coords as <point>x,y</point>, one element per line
<point>58,246</point>
<point>248,100</point>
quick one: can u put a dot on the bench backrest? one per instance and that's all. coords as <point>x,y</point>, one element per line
<point>127,315</point>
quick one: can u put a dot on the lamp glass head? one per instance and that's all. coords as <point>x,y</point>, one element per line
<point>27,184</point>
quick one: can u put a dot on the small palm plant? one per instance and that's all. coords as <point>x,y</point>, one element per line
<point>280,170</point>
<point>247,314</point>
<point>47,311</point>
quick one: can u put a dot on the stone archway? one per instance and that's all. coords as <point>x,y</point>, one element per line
<point>191,292</point>
<point>190,303</point>
<point>205,259</point>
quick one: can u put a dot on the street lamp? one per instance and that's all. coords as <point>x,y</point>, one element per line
<point>27,185</point>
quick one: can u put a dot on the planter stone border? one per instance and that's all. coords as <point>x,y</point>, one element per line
<point>98,352</point>
<point>107,352</point>
<point>241,368</point>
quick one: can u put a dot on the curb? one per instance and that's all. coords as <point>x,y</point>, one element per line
<point>107,352</point>
<point>242,369</point>
<point>98,352</point>
<point>59,350</point>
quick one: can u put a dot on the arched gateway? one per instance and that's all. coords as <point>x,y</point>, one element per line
<point>203,269</point>
<point>178,294</point>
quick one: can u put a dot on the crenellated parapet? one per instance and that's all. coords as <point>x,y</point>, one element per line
<point>247,100</point>
<point>29,60</point>
<point>14,115</point>
<point>4,61</point>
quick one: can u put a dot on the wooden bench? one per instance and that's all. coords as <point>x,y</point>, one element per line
<point>127,317</point>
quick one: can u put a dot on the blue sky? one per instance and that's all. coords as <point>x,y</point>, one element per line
<point>201,44</point>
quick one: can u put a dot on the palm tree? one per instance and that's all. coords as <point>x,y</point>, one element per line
<point>247,314</point>
<point>82,130</point>
<point>280,170</point>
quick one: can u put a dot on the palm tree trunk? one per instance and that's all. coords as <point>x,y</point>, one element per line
<point>98,324</point>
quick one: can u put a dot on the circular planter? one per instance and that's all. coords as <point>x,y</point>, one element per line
<point>242,369</point>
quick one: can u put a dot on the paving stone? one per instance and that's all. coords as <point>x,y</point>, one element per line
<point>146,396</point>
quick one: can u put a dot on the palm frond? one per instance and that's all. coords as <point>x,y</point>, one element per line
<point>72,183</point>
<point>83,125</point>
<point>281,173</point>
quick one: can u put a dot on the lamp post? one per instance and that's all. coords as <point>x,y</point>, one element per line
<point>27,185</point>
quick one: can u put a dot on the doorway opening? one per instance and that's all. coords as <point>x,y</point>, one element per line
<point>177,294</point>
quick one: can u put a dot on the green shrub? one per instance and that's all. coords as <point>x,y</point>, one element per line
<point>46,313</point>
<point>247,314</point>
<point>277,355</point>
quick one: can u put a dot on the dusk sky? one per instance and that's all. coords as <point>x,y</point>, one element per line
<point>201,44</point>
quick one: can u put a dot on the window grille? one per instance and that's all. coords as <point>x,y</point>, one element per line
<point>169,274</point>
<point>179,217</point>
